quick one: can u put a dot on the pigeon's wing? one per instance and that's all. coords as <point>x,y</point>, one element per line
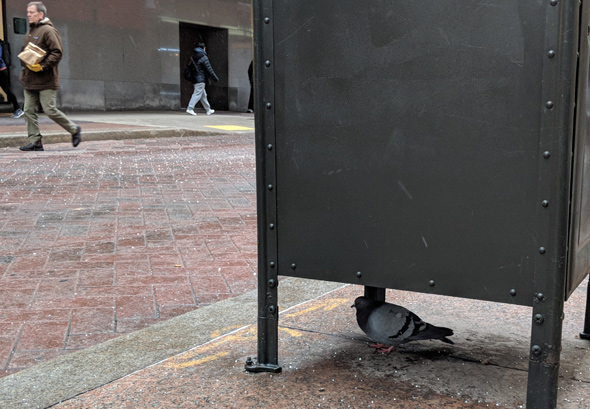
<point>416,330</point>
<point>429,331</point>
<point>390,324</point>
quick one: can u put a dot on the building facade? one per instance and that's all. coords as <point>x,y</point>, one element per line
<point>130,54</point>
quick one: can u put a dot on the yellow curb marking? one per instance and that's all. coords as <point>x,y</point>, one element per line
<point>219,332</point>
<point>245,334</point>
<point>229,127</point>
<point>292,332</point>
<point>201,361</point>
<point>328,305</point>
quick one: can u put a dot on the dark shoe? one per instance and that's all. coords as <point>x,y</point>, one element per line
<point>32,147</point>
<point>77,137</point>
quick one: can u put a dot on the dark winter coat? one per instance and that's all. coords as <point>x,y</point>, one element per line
<point>44,35</point>
<point>203,68</point>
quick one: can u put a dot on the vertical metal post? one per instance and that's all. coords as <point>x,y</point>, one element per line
<point>586,333</point>
<point>375,293</point>
<point>268,310</point>
<point>550,254</point>
<point>545,351</point>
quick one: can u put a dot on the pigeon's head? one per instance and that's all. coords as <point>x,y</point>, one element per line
<point>361,302</point>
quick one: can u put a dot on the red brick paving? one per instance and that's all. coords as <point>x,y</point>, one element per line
<point>115,236</point>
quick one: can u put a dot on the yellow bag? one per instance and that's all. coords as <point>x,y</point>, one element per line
<point>32,54</point>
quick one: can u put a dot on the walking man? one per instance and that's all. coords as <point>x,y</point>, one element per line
<point>201,69</point>
<point>41,81</point>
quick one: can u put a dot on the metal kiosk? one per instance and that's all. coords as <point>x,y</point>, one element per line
<point>438,146</point>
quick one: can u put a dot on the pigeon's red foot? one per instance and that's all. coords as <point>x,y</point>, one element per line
<point>384,349</point>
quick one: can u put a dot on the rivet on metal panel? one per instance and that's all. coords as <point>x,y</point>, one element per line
<point>272,309</point>
<point>539,318</point>
<point>431,283</point>
<point>553,2</point>
<point>540,296</point>
<point>271,226</point>
<point>269,147</point>
<point>270,187</point>
<point>549,104</point>
<point>546,154</point>
<point>536,349</point>
<point>272,264</point>
<point>359,274</point>
<point>266,20</point>
<point>267,63</point>
<point>545,203</point>
<point>293,266</point>
<point>513,292</point>
<point>272,283</point>
<point>551,54</point>
<point>268,105</point>
<point>542,250</point>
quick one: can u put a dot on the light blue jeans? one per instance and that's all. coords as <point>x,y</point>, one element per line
<point>199,95</point>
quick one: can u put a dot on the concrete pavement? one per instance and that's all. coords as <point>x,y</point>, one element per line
<point>323,354</point>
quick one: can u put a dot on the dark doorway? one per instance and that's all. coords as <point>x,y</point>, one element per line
<point>216,40</point>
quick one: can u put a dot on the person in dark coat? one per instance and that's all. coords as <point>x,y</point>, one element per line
<point>5,84</point>
<point>251,79</point>
<point>201,70</point>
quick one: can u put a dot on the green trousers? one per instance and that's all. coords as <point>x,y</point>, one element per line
<point>46,98</point>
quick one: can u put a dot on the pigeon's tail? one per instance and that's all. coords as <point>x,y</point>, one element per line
<point>443,333</point>
<point>432,332</point>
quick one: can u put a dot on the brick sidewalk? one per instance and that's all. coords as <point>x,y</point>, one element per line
<point>114,236</point>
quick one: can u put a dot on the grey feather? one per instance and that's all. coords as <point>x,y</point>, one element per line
<point>392,325</point>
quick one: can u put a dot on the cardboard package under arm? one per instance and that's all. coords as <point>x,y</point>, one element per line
<point>32,54</point>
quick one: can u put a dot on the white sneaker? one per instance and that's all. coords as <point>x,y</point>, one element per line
<point>211,111</point>
<point>18,113</point>
<point>190,111</point>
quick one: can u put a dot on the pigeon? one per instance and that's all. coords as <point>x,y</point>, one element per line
<point>391,325</point>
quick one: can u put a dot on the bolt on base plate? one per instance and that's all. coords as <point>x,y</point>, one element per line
<point>252,365</point>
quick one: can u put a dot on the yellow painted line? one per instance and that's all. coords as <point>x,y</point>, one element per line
<point>201,361</point>
<point>230,127</point>
<point>219,332</point>
<point>326,305</point>
<point>292,332</point>
<point>246,334</point>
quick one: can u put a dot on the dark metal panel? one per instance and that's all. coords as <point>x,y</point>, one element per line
<point>408,139</point>
<point>579,259</point>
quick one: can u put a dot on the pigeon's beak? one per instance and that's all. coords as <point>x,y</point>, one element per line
<point>352,306</point>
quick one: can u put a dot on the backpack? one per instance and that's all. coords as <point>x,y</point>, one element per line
<point>187,73</point>
<point>188,70</point>
<point>6,53</point>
